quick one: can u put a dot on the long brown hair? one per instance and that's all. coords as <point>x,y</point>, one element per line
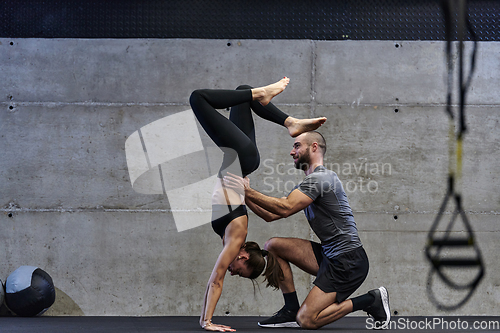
<point>256,262</point>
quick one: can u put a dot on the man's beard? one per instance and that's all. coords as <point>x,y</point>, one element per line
<point>302,162</point>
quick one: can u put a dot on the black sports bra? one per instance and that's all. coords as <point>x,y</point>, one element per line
<point>219,225</point>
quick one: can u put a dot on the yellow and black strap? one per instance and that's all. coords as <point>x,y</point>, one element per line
<point>435,244</point>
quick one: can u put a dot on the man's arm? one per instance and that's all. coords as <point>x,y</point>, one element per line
<point>282,207</point>
<point>261,212</point>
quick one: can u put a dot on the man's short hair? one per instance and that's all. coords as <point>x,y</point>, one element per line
<point>314,136</point>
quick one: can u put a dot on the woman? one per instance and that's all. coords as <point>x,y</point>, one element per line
<point>236,137</point>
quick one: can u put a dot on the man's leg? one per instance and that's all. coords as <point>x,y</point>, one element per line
<point>296,251</point>
<point>325,305</point>
<point>300,253</point>
<point>320,309</point>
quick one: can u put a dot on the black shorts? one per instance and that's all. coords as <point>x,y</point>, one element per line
<point>342,274</point>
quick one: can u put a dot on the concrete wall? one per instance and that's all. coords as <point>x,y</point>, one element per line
<point>68,206</point>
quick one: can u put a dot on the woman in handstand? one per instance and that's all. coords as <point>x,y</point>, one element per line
<point>236,138</point>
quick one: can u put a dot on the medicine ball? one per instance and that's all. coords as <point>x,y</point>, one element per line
<point>29,291</point>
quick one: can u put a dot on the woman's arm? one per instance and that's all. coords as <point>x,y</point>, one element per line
<point>234,239</point>
<point>214,285</point>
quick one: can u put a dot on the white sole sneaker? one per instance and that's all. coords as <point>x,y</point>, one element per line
<point>287,324</point>
<point>384,295</point>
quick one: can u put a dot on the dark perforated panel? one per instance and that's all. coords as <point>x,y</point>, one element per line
<point>240,19</point>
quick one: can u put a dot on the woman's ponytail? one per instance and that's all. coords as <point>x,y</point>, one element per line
<point>256,262</point>
<point>273,273</point>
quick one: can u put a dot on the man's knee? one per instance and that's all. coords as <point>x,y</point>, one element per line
<point>272,244</point>
<point>306,321</point>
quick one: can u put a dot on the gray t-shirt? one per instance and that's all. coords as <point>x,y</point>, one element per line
<point>329,215</point>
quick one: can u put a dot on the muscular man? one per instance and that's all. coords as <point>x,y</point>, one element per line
<point>339,263</point>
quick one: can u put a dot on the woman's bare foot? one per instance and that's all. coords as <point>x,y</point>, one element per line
<point>264,95</point>
<point>298,126</point>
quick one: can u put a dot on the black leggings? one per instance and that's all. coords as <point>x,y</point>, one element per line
<point>237,133</point>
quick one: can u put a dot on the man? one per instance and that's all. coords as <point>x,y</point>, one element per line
<point>339,262</point>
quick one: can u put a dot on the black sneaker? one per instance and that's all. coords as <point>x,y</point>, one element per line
<point>379,309</point>
<point>282,318</point>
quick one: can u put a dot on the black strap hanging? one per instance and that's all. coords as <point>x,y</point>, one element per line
<point>436,244</point>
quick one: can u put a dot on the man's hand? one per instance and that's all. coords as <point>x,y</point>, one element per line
<point>237,183</point>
